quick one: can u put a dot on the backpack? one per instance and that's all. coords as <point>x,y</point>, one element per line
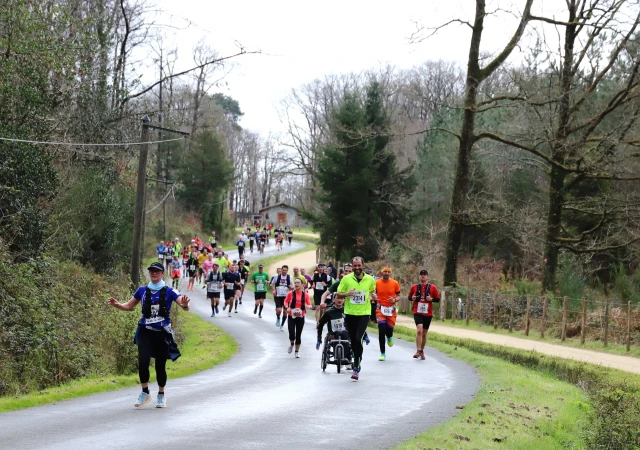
<point>162,303</point>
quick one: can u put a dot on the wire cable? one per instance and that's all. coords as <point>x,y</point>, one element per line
<point>88,145</point>
<point>162,201</point>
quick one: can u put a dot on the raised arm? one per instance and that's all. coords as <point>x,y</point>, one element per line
<point>124,306</point>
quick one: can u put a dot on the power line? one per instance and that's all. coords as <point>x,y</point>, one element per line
<point>88,145</point>
<point>162,201</point>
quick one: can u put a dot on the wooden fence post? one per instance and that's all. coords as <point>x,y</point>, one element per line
<point>628,326</point>
<point>443,306</point>
<point>511,315</point>
<point>583,326</point>
<point>495,312</point>
<point>606,323</point>
<point>453,307</point>
<point>526,314</point>
<point>481,301</point>
<point>468,306</point>
<point>545,303</point>
<point>565,302</point>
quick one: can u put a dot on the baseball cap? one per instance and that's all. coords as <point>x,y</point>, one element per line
<point>157,266</point>
<point>424,272</point>
<point>260,265</point>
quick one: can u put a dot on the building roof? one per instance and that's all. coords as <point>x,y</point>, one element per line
<point>279,205</point>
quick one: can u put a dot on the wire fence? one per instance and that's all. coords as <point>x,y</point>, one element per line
<point>610,321</point>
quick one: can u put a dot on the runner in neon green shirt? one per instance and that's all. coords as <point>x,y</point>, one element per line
<point>261,280</point>
<point>223,263</point>
<point>358,288</point>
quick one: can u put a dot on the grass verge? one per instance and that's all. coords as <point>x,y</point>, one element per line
<point>528,400</point>
<point>598,346</point>
<point>203,347</point>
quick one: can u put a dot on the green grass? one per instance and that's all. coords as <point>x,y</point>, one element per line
<point>534,334</point>
<point>203,347</point>
<point>514,408</point>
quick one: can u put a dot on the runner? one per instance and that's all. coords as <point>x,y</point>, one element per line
<point>320,283</point>
<point>244,268</point>
<point>231,282</point>
<point>202,257</point>
<point>252,240</point>
<point>298,276</point>
<point>161,250</point>
<point>207,265</point>
<point>168,257</point>
<point>185,259</point>
<point>334,318</point>
<point>295,306</point>
<point>423,295</point>
<point>308,279</point>
<point>214,286</point>
<point>358,288</point>
<point>273,278</point>
<point>388,292</point>
<point>154,335</point>
<point>289,235</point>
<point>279,239</point>
<point>282,284</point>
<point>192,265</point>
<point>261,280</point>
<point>263,240</point>
<point>223,262</point>
<point>175,272</point>
<point>240,244</point>
<point>235,269</point>
<point>213,240</point>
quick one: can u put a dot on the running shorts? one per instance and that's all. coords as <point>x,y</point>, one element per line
<point>213,294</point>
<point>425,321</point>
<point>192,274</point>
<point>279,302</point>
<point>200,270</point>
<point>390,320</point>
<point>261,295</point>
<point>317,297</point>
<point>175,274</point>
<point>229,294</point>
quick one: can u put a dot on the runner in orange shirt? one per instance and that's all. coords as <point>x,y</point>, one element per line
<point>388,291</point>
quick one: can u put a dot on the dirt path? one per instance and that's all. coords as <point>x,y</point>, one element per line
<point>626,363</point>
<point>306,260</point>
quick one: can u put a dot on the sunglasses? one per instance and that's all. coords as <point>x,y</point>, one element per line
<point>155,271</point>
<point>348,265</point>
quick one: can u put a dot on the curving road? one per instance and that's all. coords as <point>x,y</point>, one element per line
<point>262,398</point>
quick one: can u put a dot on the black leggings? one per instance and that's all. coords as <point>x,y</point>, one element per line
<point>152,343</point>
<point>356,325</point>
<point>384,332</point>
<point>295,329</point>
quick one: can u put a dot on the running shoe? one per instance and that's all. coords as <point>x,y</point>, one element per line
<point>390,341</point>
<point>241,301</point>
<point>297,354</point>
<point>383,357</point>
<point>422,355</point>
<point>259,316</point>
<point>229,313</point>
<point>255,311</point>
<point>162,401</point>
<point>143,399</point>
<point>236,311</point>
<point>417,354</point>
<point>213,314</point>
<point>278,322</point>
<point>217,311</point>
<point>290,348</point>
<point>367,340</point>
<point>282,328</point>
<point>355,374</point>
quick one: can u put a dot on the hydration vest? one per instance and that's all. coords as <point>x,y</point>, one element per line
<point>162,303</point>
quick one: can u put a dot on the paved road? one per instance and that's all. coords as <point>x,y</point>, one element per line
<point>262,398</point>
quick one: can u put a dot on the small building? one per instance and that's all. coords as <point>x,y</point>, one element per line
<point>283,214</point>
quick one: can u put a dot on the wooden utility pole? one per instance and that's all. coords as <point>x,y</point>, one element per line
<point>527,316</point>
<point>138,218</point>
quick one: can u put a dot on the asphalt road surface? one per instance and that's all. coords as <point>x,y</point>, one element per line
<point>262,398</point>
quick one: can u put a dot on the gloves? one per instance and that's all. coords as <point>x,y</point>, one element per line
<point>318,344</point>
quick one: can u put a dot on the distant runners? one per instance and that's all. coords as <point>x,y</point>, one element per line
<point>154,336</point>
<point>422,295</point>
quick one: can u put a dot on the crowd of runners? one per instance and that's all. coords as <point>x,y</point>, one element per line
<point>344,299</point>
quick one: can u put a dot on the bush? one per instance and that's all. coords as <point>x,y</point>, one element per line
<point>56,325</point>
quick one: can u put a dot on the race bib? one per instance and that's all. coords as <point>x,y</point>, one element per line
<point>155,318</point>
<point>214,286</point>
<point>260,287</point>
<point>358,298</point>
<point>282,291</point>
<point>228,286</point>
<point>192,267</point>
<point>337,325</point>
<point>387,310</point>
<point>295,313</point>
<point>160,256</point>
<point>423,308</point>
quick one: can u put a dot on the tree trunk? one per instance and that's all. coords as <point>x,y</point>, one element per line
<point>554,219</point>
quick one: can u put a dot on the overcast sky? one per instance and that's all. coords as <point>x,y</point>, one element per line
<point>301,41</point>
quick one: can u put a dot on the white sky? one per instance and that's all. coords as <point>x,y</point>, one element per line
<point>303,40</point>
